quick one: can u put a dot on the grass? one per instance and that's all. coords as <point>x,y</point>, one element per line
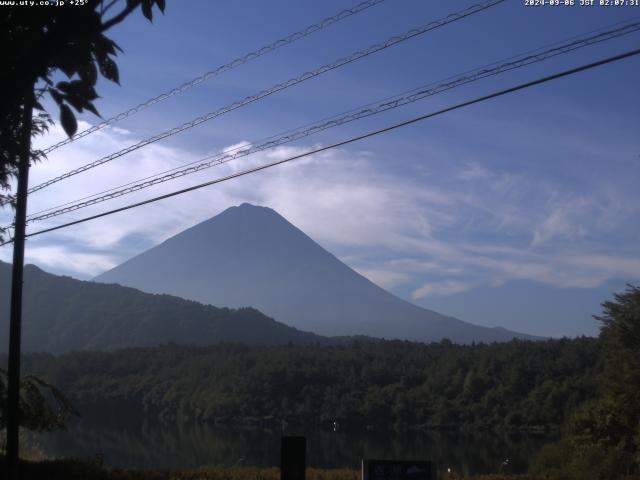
<point>77,470</point>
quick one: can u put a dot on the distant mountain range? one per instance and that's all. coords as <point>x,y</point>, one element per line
<point>252,256</point>
<point>61,314</point>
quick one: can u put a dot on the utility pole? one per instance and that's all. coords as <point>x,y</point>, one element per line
<point>15,328</point>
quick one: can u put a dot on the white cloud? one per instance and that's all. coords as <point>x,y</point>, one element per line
<point>386,279</point>
<point>564,220</point>
<point>448,287</point>
<point>441,234</point>
<point>473,171</point>
<point>62,258</point>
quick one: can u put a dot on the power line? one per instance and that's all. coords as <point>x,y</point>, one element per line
<point>499,93</point>
<point>355,114</point>
<point>276,88</point>
<point>600,34</point>
<point>289,39</point>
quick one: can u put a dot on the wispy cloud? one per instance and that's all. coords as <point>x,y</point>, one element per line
<point>386,279</point>
<point>464,226</point>
<point>65,259</point>
<point>447,287</point>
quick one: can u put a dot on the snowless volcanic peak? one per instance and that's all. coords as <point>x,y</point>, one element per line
<point>252,256</point>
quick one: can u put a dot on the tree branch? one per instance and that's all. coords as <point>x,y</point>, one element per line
<point>119,17</point>
<point>106,9</point>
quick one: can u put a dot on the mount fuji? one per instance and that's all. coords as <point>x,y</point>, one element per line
<point>252,256</point>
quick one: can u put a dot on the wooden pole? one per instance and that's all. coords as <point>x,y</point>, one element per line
<point>15,328</point>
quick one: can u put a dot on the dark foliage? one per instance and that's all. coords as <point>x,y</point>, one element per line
<point>603,436</point>
<point>37,42</point>
<point>514,386</point>
<point>63,314</point>
<point>40,41</point>
<point>42,406</point>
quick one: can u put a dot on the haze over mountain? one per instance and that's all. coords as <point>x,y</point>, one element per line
<point>61,314</point>
<point>252,256</point>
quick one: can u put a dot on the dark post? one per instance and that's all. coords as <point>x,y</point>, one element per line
<point>293,461</point>
<point>13,396</point>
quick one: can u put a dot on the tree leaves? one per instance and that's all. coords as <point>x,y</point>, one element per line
<point>68,120</point>
<point>608,426</point>
<point>146,9</point>
<point>57,96</point>
<point>43,407</point>
<point>383,384</point>
<point>77,94</point>
<point>68,40</point>
<point>88,73</point>
<point>109,69</point>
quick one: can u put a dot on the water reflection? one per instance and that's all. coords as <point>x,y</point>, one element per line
<point>187,446</point>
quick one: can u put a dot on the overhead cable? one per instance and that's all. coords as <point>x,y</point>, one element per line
<point>289,39</point>
<point>276,88</point>
<point>499,93</point>
<point>356,114</point>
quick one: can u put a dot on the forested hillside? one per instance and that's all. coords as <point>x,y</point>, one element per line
<point>515,385</point>
<point>63,314</point>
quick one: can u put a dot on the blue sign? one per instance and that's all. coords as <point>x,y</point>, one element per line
<point>399,470</point>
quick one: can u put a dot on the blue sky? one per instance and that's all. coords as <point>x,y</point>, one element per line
<point>521,212</point>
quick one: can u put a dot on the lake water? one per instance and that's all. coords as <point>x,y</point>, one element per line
<point>183,446</point>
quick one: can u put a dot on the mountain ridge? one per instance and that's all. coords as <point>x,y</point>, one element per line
<point>251,255</point>
<point>62,314</point>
